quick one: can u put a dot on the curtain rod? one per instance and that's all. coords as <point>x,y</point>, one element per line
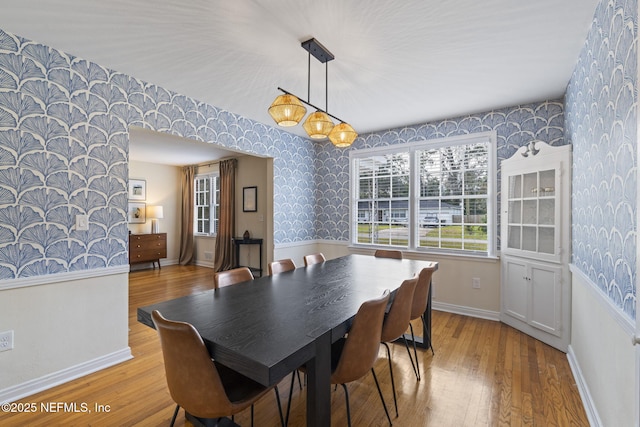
<point>213,162</point>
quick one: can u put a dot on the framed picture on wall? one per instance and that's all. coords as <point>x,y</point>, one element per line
<point>137,189</point>
<point>137,213</point>
<point>249,199</point>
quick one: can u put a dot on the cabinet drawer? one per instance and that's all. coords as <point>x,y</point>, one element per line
<point>147,238</point>
<point>140,255</point>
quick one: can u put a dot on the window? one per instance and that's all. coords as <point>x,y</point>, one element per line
<point>207,204</point>
<point>435,195</point>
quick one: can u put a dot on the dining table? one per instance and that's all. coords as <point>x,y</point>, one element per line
<point>268,327</point>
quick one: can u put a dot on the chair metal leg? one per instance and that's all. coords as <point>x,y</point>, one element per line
<point>384,405</point>
<point>175,414</point>
<point>415,352</point>
<point>346,397</point>
<point>279,406</point>
<point>293,378</point>
<point>393,384</point>
<point>428,337</point>
<point>413,365</point>
<point>299,380</point>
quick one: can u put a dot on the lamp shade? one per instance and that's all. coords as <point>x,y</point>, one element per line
<point>342,135</point>
<point>155,212</point>
<point>287,110</point>
<point>318,125</point>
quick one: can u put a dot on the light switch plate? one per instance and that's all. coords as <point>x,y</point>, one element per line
<point>82,222</point>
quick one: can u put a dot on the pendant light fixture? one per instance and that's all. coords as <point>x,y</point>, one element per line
<point>287,109</point>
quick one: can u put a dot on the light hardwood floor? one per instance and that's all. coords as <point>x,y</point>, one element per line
<point>484,373</point>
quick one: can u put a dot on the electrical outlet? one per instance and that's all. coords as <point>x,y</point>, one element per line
<point>475,283</point>
<point>6,341</point>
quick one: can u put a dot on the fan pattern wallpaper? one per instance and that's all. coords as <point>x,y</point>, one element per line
<point>601,116</point>
<point>64,151</point>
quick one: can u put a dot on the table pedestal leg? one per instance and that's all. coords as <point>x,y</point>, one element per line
<point>319,384</point>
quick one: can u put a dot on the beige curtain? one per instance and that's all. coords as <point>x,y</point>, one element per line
<point>186,230</point>
<point>224,256</point>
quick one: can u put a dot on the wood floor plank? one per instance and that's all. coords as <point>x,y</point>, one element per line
<point>483,373</point>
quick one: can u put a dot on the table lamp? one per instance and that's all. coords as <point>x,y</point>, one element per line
<point>155,213</point>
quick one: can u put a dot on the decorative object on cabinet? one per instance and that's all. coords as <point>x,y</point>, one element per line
<point>249,199</point>
<point>536,239</point>
<point>155,213</point>
<point>147,248</point>
<point>137,213</point>
<point>137,189</point>
<point>246,235</point>
<point>238,241</point>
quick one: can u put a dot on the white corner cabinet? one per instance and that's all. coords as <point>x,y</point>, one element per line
<point>535,242</point>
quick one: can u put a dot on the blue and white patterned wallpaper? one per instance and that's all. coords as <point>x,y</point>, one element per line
<point>64,147</point>
<point>515,127</point>
<point>601,116</point>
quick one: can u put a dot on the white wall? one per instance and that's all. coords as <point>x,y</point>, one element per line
<point>65,325</point>
<point>602,356</point>
<point>163,188</point>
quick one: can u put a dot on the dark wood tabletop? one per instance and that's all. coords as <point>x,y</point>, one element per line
<point>269,326</point>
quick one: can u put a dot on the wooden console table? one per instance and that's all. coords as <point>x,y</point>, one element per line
<point>147,248</point>
<point>242,241</point>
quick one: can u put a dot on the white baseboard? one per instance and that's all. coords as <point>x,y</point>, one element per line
<point>48,381</point>
<point>587,400</point>
<point>208,264</point>
<point>466,311</point>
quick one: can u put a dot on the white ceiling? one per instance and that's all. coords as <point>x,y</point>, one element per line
<point>396,62</point>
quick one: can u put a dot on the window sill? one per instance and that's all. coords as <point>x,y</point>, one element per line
<point>425,255</point>
<point>205,236</point>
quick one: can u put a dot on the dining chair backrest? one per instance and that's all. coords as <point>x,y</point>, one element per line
<point>277,267</point>
<point>421,293</point>
<point>397,319</point>
<point>192,377</point>
<point>388,253</point>
<point>314,259</point>
<point>231,277</point>
<point>361,346</point>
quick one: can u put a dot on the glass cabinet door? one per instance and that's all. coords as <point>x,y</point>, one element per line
<point>531,211</point>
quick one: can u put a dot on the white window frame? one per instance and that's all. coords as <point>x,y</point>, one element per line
<point>214,203</point>
<point>413,221</point>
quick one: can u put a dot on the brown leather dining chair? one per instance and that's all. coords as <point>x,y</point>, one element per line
<point>419,305</point>
<point>280,266</point>
<point>201,386</point>
<point>388,253</point>
<point>396,322</point>
<point>231,277</point>
<point>352,357</point>
<point>314,259</point>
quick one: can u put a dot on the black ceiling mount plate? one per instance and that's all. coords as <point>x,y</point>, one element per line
<point>316,49</point>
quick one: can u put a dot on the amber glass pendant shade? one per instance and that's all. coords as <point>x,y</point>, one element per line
<point>318,125</point>
<point>342,135</point>
<point>287,110</point>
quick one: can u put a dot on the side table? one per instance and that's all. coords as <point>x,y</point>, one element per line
<point>239,241</point>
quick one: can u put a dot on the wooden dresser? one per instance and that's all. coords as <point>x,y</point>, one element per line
<point>147,248</point>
